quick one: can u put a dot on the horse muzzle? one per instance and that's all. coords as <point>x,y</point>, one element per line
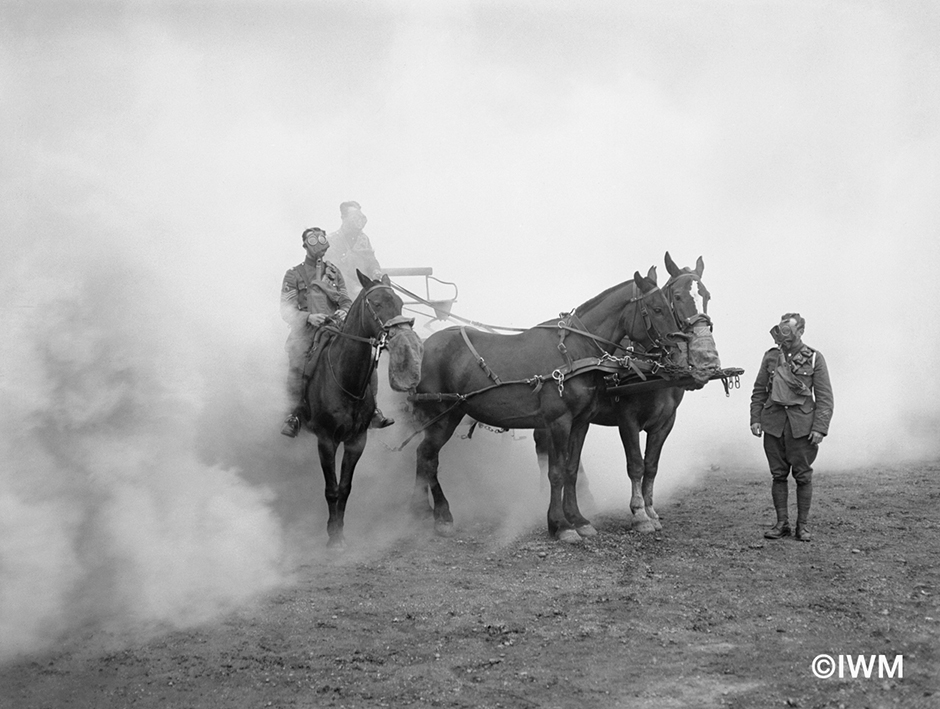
<point>405,350</point>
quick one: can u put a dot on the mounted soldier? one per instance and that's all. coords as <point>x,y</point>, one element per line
<point>312,294</point>
<point>352,248</point>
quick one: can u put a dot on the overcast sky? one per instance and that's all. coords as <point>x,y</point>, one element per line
<point>158,162</point>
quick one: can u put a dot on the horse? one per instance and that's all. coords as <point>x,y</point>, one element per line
<point>655,411</point>
<point>548,376</point>
<point>339,394</point>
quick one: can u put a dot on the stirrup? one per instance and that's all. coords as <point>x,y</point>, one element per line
<point>380,420</point>
<point>291,426</point>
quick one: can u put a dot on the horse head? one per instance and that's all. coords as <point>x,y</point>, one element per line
<point>689,299</point>
<point>652,321</point>
<point>378,309</point>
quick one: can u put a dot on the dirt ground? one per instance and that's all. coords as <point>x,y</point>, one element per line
<point>704,614</point>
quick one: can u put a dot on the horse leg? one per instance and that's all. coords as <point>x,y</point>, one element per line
<point>573,514</point>
<point>558,524</point>
<point>428,459</point>
<point>654,448</point>
<point>352,452</point>
<point>630,438</point>
<point>542,443</point>
<point>326,447</point>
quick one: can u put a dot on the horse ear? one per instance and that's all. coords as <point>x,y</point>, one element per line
<point>651,274</point>
<point>699,266</point>
<point>644,284</point>
<point>671,266</point>
<point>363,279</point>
<point>386,280</point>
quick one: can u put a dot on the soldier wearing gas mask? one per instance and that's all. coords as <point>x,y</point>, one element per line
<point>791,404</point>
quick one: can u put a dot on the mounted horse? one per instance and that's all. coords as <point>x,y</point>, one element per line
<point>654,411</point>
<point>549,376</point>
<point>339,393</point>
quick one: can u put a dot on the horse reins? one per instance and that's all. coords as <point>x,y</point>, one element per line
<point>377,344</point>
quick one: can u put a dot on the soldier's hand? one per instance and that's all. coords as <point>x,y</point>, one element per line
<point>316,319</point>
<point>815,438</point>
<point>755,429</point>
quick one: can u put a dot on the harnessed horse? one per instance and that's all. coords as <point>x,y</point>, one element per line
<point>548,376</point>
<point>339,392</point>
<point>655,411</point>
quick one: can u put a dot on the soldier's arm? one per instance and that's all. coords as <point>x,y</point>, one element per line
<point>290,302</point>
<point>760,392</point>
<point>822,391</point>
<point>344,300</point>
<point>369,262</point>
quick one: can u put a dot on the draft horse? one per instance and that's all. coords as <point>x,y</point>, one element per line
<point>655,411</point>
<point>548,376</point>
<point>339,392</point>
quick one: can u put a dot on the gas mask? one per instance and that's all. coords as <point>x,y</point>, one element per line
<point>316,243</point>
<point>785,333</point>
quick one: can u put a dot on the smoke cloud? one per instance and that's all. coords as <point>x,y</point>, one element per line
<point>159,162</point>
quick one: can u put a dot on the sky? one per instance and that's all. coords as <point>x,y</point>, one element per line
<point>159,161</point>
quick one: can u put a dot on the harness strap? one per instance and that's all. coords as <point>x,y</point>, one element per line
<point>561,325</point>
<point>482,362</point>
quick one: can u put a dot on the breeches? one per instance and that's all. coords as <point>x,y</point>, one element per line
<point>297,347</point>
<point>787,454</point>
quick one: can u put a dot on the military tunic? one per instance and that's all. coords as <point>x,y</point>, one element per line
<point>792,397</point>
<point>314,286</point>
<point>806,402</point>
<point>351,253</point>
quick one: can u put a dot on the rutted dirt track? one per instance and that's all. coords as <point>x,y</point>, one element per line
<point>705,614</point>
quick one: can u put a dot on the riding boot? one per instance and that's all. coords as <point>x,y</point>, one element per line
<point>804,498</point>
<point>296,384</point>
<point>380,420</point>
<point>778,492</point>
<point>291,426</point>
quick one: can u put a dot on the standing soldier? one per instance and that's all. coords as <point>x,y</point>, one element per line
<point>792,404</point>
<point>312,293</point>
<point>351,246</point>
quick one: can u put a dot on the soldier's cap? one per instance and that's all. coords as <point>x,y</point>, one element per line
<point>800,322</point>
<point>309,231</point>
<point>346,206</point>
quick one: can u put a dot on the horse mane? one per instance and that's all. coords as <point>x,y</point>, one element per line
<point>589,305</point>
<point>355,309</point>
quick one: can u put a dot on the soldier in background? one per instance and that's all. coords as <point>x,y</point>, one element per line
<point>352,248</point>
<point>791,404</point>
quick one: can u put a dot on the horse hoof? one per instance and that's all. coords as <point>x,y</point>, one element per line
<point>336,546</point>
<point>586,531</point>
<point>568,535</point>
<point>644,527</point>
<point>444,529</point>
<point>421,513</point>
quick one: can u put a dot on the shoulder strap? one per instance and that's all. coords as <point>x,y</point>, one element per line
<point>302,275</point>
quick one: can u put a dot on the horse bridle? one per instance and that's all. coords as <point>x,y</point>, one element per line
<point>656,338</point>
<point>386,326</point>
<point>377,344</point>
<point>686,324</point>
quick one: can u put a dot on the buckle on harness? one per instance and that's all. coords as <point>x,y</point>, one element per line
<point>559,377</point>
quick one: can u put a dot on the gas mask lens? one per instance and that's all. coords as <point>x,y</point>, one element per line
<point>316,238</point>
<point>782,331</point>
